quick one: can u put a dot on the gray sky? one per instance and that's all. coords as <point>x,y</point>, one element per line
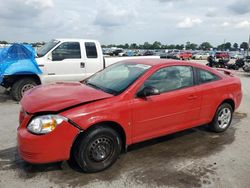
<point>126,21</point>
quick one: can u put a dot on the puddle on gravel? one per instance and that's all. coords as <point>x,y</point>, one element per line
<point>174,160</point>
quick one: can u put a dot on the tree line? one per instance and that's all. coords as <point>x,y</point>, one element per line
<point>187,46</point>
<point>159,45</point>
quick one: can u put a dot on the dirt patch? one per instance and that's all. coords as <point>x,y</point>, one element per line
<point>240,115</point>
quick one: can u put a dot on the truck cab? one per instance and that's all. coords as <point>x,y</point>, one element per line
<point>69,59</point>
<point>58,60</point>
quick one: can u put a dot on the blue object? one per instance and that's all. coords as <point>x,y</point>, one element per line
<point>18,59</point>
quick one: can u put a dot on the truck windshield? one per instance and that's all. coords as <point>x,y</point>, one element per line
<point>47,47</point>
<point>117,78</point>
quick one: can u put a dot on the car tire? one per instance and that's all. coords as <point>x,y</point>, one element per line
<point>222,118</point>
<point>21,86</point>
<point>98,149</point>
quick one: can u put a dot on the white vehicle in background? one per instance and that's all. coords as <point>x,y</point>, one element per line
<point>235,55</point>
<point>63,60</point>
<point>201,56</point>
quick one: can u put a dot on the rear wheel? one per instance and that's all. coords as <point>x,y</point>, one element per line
<point>222,118</point>
<point>98,149</point>
<point>21,86</point>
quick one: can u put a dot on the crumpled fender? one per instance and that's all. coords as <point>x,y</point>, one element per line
<point>18,59</point>
<point>24,66</point>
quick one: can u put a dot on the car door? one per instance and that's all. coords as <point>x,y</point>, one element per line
<point>210,91</point>
<point>176,108</point>
<point>65,63</point>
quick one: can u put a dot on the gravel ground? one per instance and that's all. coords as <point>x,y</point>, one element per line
<point>192,158</point>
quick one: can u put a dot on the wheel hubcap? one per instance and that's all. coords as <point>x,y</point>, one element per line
<point>224,118</point>
<point>26,88</point>
<point>101,149</point>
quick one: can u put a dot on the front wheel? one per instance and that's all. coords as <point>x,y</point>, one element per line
<point>21,86</point>
<point>98,149</point>
<point>222,118</point>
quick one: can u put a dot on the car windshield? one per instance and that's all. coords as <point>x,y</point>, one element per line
<point>47,47</point>
<point>117,78</point>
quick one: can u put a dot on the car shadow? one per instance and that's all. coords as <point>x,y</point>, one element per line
<point>4,95</point>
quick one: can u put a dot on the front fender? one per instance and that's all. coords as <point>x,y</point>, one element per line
<point>85,119</point>
<point>21,67</point>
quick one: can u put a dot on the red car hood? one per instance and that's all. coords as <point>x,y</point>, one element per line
<point>56,97</point>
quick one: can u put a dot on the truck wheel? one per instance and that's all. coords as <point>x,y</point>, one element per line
<point>222,118</point>
<point>98,149</point>
<point>21,86</point>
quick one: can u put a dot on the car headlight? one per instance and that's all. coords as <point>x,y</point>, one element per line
<point>45,124</point>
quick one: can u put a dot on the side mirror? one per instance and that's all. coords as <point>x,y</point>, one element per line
<point>148,91</point>
<point>49,57</point>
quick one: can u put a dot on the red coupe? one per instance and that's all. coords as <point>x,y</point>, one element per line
<point>91,122</point>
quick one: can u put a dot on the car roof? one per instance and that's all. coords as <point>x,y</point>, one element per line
<point>76,40</point>
<point>154,62</point>
<point>158,63</point>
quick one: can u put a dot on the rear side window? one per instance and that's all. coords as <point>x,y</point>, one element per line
<point>67,50</point>
<point>91,51</point>
<point>205,76</point>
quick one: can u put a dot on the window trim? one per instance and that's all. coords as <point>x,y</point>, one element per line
<point>193,73</point>
<point>67,58</point>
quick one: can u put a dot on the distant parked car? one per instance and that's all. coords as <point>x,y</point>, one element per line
<point>184,55</point>
<point>126,53</point>
<point>171,55</point>
<point>222,55</point>
<point>116,52</point>
<point>235,55</point>
<point>148,53</point>
<point>201,56</point>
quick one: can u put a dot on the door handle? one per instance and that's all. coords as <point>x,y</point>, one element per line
<point>82,65</point>
<point>192,97</point>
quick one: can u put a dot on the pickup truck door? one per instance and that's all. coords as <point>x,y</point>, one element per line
<point>93,58</point>
<point>66,63</point>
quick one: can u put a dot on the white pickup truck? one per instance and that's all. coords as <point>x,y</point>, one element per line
<point>63,60</point>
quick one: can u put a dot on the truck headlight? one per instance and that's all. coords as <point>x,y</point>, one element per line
<point>45,124</point>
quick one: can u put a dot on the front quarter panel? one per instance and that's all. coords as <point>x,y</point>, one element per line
<point>115,110</point>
